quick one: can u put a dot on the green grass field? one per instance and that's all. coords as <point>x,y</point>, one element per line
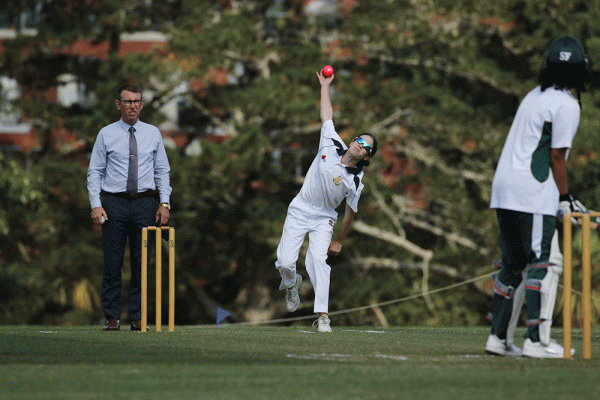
<point>270,362</point>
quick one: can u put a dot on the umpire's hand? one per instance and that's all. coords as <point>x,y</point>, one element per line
<point>162,216</point>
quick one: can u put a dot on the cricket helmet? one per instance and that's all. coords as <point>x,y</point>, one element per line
<point>566,50</point>
<point>566,64</point>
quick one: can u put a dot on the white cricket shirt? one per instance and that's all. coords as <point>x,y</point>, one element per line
<point>523,180</point>
<point>328,181</point>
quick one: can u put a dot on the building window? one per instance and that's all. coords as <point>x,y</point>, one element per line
<point>9,93</point>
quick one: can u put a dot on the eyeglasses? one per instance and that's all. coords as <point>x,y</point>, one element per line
<point>131,102</point>
<point>364,144</point>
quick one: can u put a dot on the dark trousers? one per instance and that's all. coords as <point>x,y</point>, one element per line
<point>126,218</point>
<point>524,239</point>
<point>517,232</point>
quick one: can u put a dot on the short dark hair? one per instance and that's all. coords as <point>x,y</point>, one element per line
<point>130,87</point>
<point>364,163</point>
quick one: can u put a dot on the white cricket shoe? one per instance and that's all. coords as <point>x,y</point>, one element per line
<point>322,324</point>
<point>538,350</point>
<point>292,298</point>
<point>498,346</point>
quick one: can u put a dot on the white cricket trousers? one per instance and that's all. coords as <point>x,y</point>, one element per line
<point>302,218</point>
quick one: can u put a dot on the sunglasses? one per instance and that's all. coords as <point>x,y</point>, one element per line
<point>364,144</point>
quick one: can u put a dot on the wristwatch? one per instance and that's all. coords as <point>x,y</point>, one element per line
<point>166,205</point>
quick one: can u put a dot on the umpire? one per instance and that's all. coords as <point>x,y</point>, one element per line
<point>129,167</point>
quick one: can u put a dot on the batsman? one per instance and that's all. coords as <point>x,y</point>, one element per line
<point>529,193</point>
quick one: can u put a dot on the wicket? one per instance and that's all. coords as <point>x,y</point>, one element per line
<point>158,230</point>
<point>586,285</point>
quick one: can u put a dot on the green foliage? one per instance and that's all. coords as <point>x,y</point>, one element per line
<point>437,82</point>
<point>48,242</point>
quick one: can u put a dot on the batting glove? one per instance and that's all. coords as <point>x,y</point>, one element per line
<point>568,205</point>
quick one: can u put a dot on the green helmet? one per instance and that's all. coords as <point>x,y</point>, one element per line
<point>566,50</point>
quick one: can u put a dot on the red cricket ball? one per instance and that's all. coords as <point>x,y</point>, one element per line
<point>327,71</point>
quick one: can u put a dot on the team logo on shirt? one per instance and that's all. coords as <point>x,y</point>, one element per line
<point>337,181</point>
<point>323,158</point>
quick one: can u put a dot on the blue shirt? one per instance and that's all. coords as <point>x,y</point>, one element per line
<point>109,162</point>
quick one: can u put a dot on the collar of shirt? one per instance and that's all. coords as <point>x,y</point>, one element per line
<point>341,151</point>
<point>126,126</point>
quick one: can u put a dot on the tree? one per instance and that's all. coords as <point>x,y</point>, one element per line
<point>51,265</point>
<point>437,82</point>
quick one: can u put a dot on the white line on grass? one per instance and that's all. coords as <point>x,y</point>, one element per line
<point>345,357</point>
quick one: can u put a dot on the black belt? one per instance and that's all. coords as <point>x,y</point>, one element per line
<point>129,196</point>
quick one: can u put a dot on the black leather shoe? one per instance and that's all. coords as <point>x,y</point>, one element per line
<point>112,325</point>
<point>136,325</point>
